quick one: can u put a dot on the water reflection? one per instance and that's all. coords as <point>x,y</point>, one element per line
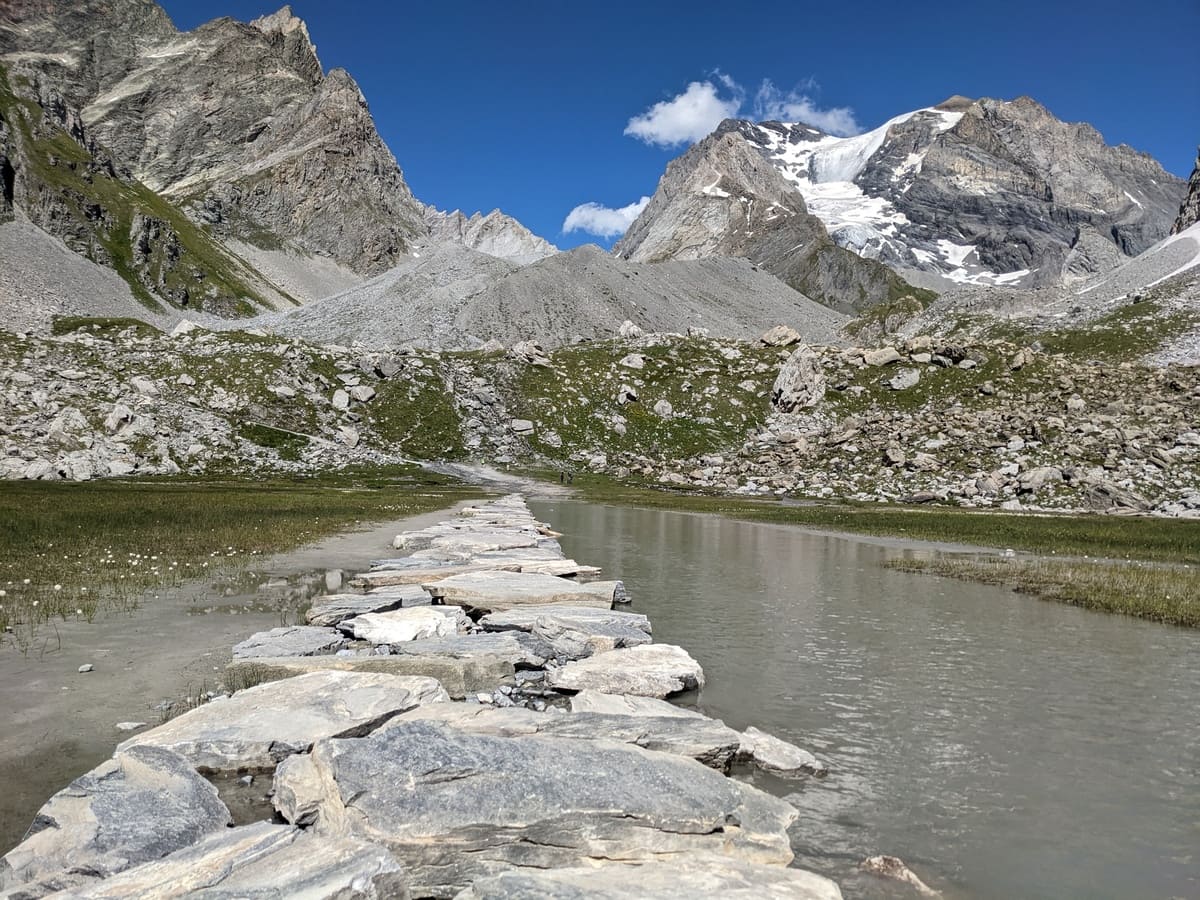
<point>1004,746</point>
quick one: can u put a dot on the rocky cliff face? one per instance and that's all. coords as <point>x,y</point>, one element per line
<point>55,175</point>
<point>1189,212</point>
<point>984,191</point>
<point>722,198</point>
<point>236,123</point>
<point>494,234</point>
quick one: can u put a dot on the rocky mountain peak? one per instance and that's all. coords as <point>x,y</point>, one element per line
<point>725,197</point>
<point>495,234</point>
<point>1189,210</point>
<point>290,33</point>
<point>955,103</point>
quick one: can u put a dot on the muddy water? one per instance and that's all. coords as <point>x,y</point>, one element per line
<point>1002,745</point>
<point>58,723</point>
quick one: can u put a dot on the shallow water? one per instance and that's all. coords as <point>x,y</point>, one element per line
<point>58,723</point>
<point>1002,745</point>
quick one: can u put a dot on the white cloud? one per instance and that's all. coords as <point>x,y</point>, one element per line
<point>796,106</point>
<point>687,117</point>
<point>603,221</point>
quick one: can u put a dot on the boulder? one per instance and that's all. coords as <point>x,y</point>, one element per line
<point>459,676</point>
<point>904,379</point>
<point>455,807</point>
<point>294,640</point>
<point>423,572</point>
<point>894,869</point>
<point>262,860</point>
<point>778,756</point>
<point>629,331</point>
<point>663,409</point>
<point>505,590</point>
<point>520,649</point>
<point>140,805</point>
<point>256,728</point>
<point>781,336</point>
<point>574,631</point>
<point>696,875</point>
<point>403,625</point>
<point>334,608</point>
<point>884,356</point>
<point>651,670</point>
<point>801,382</point>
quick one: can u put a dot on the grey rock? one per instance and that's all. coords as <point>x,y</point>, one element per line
<point>651,670</point>
<point>801,382</point>
<point>138,806</point>
<point>627,705</point>
<point>778,756</point>
<point>456,807</point>
<point>697,875</point>
<point>262,860</point>
<point>781,336</point>
<point>1189,210</point>
<point>505,590</point>
<point>697,737</point>
<point>904,379</point>
<point>520,649</point>
<point>293,640</point>
<point>458,675</point>
<point>494,234</point>
<point>415,623</point>
<point>257,727</point>
<point>331,609</point>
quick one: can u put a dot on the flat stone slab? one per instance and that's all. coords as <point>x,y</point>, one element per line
<point>256,728</point>
<point>520,649</point>
<point>697,737</point>
<point>775,755</point>
<point>628,705</point>
<point>455,807</point>
<point>651,670</point>
<point>424,575</point>
<point>459,676</point>
<point>296,640</point>
<point>575,632</point>
<point>524,618</point>
<point>402,625</point>
<point>262,860</point>
<point>497,591</point>
<point>334,608</point>
<point>695,875</point>
<point>140,805</point>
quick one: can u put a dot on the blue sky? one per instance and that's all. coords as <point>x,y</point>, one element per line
<point>525,106</point>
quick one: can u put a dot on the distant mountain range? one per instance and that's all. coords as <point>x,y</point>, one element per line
<point>224,172</point>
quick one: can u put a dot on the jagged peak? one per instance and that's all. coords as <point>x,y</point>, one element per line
<point>285,23</point>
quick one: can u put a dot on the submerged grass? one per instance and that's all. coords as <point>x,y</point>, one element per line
<point>1121,537</point>
<point>1159,593</point>
<point>78,550</point>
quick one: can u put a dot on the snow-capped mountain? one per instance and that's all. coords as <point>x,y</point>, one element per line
<point>985,191</point>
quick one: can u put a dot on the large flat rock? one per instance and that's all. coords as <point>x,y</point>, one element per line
<point>334,608</point>
<point>256,728</point>
<point>457,807</point>
<point>522,650</point>
<point>778,756</point>
<point>697,737</point>
<point>403,625</point>
<point>696,875</point>
<point>459,676</point>
<point>627,705</point>
<point>296,640</point>
<point>427,573</point>
<point>497,591</point>
<point>140,805</point>
<point>651,670</point>
<point>574,631</point>
<point>262,861</point>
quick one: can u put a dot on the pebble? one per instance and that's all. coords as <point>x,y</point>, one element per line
<point>86,667</point>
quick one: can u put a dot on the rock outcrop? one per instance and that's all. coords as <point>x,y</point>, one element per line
<point>1189,211</point>
<point>722,198</point>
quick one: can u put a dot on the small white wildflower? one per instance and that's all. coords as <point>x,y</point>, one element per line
<point>58,587</point>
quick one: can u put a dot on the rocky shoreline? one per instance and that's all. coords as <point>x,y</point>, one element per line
<point>477,719</point>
